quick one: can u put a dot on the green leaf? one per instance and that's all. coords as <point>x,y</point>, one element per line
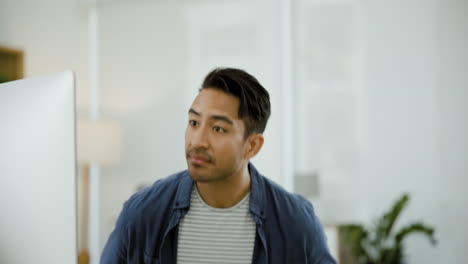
<point>415,228</point>
<point>380,244</point>
<point>386,223</point>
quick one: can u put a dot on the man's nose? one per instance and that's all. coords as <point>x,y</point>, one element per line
<point>199,138</point>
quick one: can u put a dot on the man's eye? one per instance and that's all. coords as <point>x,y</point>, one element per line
<point>219,129</point>
<point>193,123</point>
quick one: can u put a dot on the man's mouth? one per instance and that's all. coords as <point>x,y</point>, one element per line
<point>198,159</point>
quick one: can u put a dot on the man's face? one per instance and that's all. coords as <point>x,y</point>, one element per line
<point>214,138</point>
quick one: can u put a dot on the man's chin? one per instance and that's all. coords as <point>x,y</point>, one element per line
<point>199,174</point>
<point>199,178</point>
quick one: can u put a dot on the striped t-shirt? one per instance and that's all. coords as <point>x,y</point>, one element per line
<point>216,235</point>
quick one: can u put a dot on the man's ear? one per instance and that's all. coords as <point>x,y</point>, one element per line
<point>253,145</point>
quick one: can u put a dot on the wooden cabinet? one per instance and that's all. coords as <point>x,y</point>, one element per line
<point>11,64</point>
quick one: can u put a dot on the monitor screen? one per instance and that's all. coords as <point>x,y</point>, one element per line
<point>38,170</point>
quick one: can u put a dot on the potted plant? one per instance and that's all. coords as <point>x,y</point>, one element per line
<point>380,244</point>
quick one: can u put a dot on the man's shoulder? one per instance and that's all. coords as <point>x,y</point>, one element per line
<point>292,205</point>
<point>295,214</point>
<point>154,198</point>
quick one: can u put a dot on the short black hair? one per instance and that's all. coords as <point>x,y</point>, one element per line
<point>254,108</point>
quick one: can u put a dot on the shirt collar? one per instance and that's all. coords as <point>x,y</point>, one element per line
<point>257,190</point>
<point>184,191</point>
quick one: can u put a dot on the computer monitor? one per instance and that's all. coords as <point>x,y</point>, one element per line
<point>38,171</point>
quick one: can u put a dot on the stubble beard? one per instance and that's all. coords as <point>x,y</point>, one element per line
<point>206,176</point>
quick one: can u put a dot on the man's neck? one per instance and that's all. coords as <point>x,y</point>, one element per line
<point>226,193</point>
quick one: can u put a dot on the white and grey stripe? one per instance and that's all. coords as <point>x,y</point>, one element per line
<point>216,235</point>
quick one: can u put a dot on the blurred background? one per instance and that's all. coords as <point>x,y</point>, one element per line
<point>369,100</point>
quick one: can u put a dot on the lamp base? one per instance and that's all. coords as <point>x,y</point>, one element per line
<point>83,257</point>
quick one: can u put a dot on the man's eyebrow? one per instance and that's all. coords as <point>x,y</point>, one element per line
<point>215,117</point>
<point>222,118</point>
<point>193,112</point>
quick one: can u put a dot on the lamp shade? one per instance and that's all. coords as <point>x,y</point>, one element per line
<point>98,141</point>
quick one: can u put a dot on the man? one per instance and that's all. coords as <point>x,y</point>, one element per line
<point>220,210</point>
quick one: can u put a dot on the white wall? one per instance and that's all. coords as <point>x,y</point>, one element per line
<point>401,111</point>
<point>400,152</point>
<point>142,79</point>
<point>53,34</point>
<point>415,84</point>
<point>452,65</point>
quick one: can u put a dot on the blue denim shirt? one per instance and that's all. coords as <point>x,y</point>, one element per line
<point>287,230</point>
